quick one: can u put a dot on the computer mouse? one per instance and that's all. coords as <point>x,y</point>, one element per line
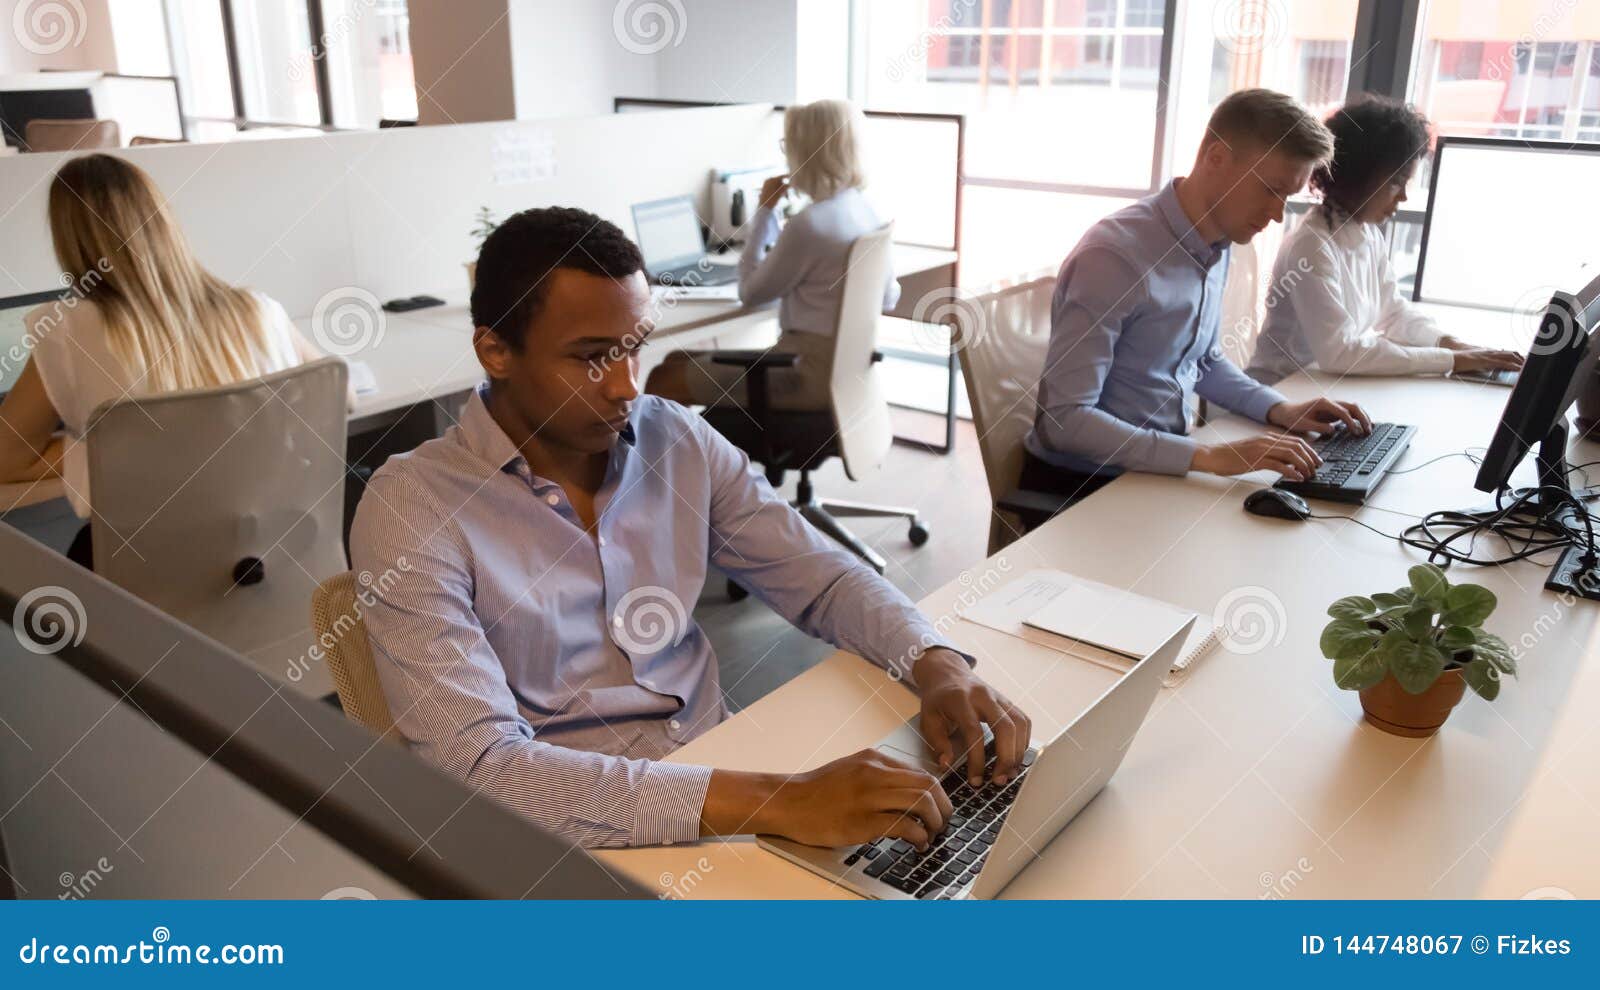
<point>1277,504</point>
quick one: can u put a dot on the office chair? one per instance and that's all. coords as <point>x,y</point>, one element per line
<point>140,140</point>
<point>1001,364</point>
<point>336,619</point>
<point>43,134</point>
<point>223,507</point>
<point>855,428</point>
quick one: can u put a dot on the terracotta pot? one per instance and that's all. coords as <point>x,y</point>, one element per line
<point>1391,708</point>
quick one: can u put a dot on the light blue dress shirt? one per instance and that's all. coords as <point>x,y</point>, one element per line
<point>552,668</point>
<point>1133,339</point>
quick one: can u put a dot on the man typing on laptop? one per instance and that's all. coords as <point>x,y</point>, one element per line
<point>537,642</point>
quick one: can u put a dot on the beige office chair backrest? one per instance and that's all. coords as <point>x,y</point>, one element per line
<point>1001,362</point>
<point>224,507</point>
<point>860,410</point>
<point>341,631</point>
<point>71,135</point>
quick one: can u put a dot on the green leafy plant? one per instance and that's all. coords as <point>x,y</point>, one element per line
<point>483,224</point>
<point>1417,633</point>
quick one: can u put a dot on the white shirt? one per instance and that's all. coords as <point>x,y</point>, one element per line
<point>1334,304</point>
<point>80,372</point>
<point>804,264</point>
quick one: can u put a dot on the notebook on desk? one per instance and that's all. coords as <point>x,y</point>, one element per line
<point>1091,621</point>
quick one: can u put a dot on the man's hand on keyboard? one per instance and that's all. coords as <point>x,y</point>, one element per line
<point>1320,416</point>
<point>1290,456</point>
<point>956,702</point>
<point>855,799</point>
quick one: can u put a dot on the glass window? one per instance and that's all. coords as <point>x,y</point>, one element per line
<point>1301,48</point>
<point>1035,78</point>
<point>1508,68</point>
<point>368,48</point>
<point>200,61</point>
<point>1502,68</point>
<point>275,61</point>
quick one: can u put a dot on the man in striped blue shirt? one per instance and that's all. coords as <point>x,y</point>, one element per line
<point>533,634</point>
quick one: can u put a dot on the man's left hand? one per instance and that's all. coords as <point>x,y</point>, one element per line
<point>956,702</point>
<point>1319,416</point>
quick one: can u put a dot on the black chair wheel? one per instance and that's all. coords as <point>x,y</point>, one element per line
<point>736,591</point>
<point>249,570</point>
<point>918,534</point>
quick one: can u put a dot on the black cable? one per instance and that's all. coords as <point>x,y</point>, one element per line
<point>1525,525</point>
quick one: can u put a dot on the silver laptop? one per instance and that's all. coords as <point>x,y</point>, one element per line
<point>674,250</point>
<point>997,831</point>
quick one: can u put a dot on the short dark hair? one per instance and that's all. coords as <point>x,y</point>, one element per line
<point>1374,139</point>
<point>512,277</point>
<point>1269,120</point>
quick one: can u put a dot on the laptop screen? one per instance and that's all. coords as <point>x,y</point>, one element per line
<point>13,346</point>
<point>669,233</point>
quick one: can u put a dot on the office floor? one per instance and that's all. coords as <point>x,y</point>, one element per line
<point>758,651</point>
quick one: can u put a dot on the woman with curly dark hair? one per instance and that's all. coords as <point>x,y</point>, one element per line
<point>1334,303</point>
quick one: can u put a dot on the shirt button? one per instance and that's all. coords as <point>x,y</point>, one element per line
<point>674,724</point>
<point>553,499</point>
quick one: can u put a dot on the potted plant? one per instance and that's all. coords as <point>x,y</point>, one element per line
<point>483,224</point>
<point>1412,652</point>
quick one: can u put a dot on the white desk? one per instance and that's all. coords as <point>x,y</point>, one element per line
<point>1256,777</point>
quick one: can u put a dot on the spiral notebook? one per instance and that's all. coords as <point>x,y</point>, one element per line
<point>1092,621</point>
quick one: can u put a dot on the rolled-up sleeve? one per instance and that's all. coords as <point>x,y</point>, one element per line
<point>1097,291</point>
<point>823,589</point>
<point>448,694</point>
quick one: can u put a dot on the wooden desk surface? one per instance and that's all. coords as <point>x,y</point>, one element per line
<point>1256,777</point>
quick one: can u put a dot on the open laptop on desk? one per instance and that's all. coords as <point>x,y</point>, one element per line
<point>673,248</point>
<point>14,346</point>
<point>995,832</point>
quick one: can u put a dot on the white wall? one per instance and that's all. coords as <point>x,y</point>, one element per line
<point>732,51</point>
<point>568,60</point>
<point>86,43</point>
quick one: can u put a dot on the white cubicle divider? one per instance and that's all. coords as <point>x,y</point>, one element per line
<point>390,211</point>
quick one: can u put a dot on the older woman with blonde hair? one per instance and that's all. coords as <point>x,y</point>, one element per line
<point>800,263</point>
<point>143,316</point>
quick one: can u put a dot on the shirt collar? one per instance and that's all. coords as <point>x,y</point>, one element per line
<point>484,437</point>
<point>1188,237</point>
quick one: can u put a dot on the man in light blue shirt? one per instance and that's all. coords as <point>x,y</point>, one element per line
<point>1137,308</point>
<point>534,570</point>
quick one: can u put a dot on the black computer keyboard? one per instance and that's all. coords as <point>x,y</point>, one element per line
<point>955,855</point>
<point>1353,466</point>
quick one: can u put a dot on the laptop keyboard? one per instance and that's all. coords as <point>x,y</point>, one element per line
<point>955,856</point>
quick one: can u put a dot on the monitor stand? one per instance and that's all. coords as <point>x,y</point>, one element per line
<point>1577,571</point>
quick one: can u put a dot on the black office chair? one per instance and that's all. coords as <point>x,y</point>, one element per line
<point>855,429</point>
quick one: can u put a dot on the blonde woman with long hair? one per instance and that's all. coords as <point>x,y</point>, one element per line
<point>143,316</point>
<point>801,263</point>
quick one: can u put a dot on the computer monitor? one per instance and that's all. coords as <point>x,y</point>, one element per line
<point>19,106</point>
<point>1504,216</point>
<point>14,344</point>
<point>1561,363</point>
<point>139,759</point>
<point>669,234</point>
